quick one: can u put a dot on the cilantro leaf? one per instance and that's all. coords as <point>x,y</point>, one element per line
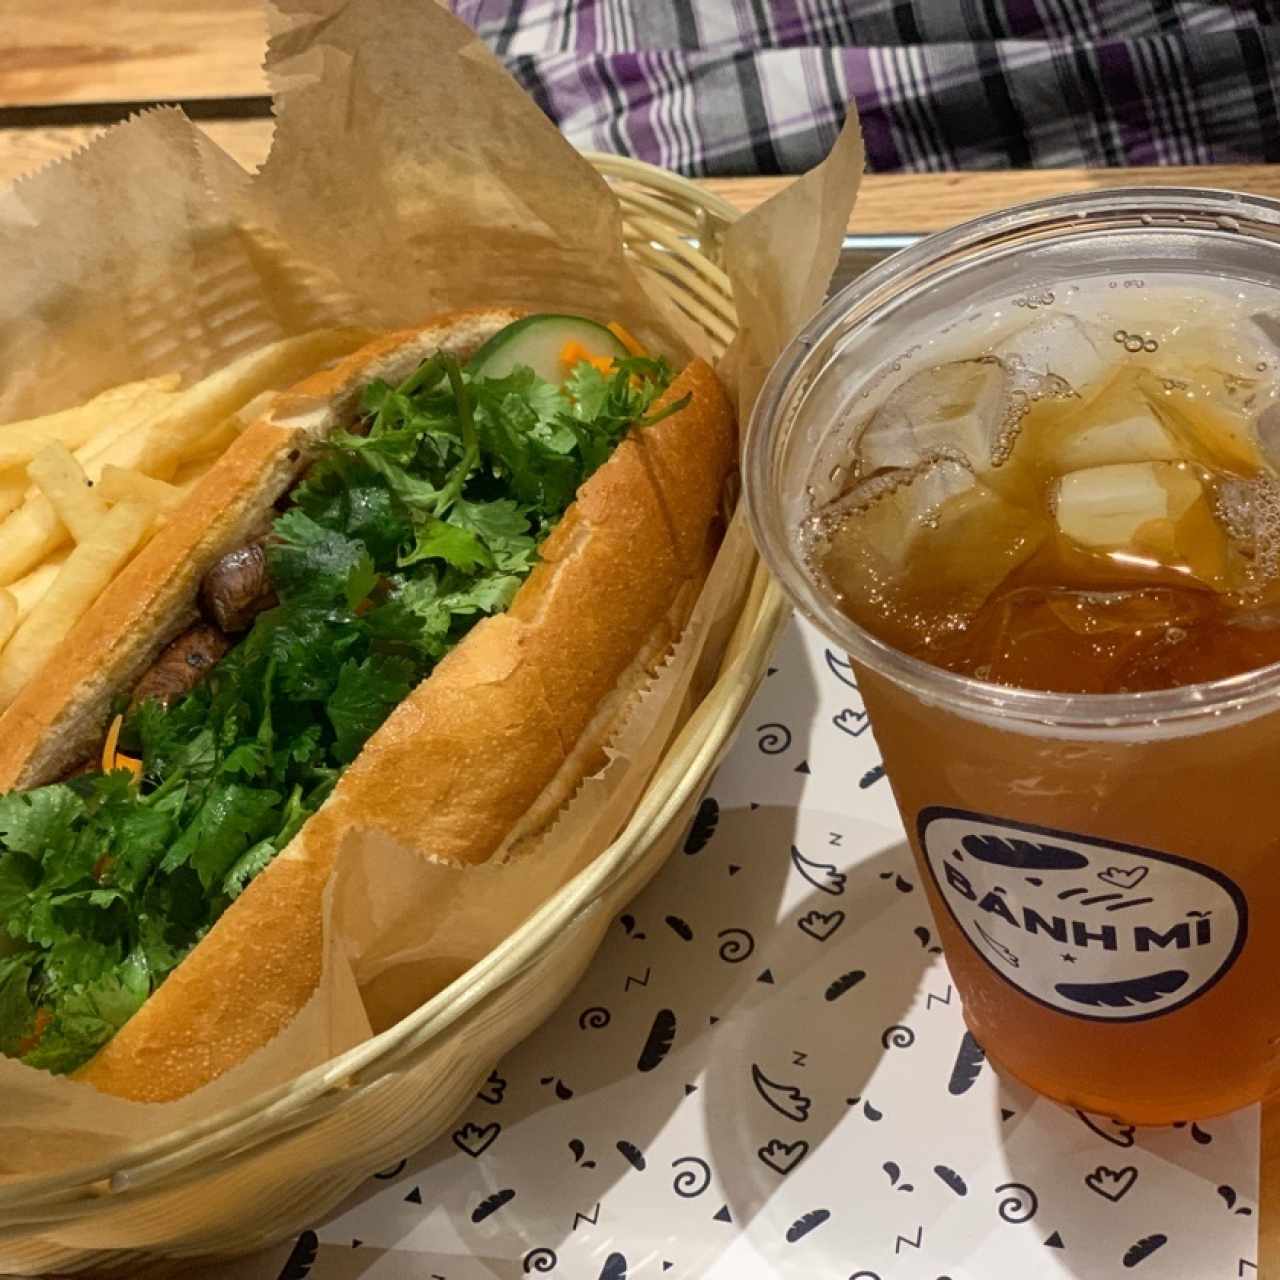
<point>308,561</point>
<point>367,693</point>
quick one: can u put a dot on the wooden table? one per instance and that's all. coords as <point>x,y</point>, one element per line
<point>68,69</point>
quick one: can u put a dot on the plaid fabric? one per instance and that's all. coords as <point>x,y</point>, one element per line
<point>760,86</point>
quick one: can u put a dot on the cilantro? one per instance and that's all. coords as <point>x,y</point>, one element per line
<point>366,695</point>
<point>409,528</point>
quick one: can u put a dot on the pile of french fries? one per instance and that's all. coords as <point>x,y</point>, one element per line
<point>84,489</point>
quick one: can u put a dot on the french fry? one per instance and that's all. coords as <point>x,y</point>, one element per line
<point>118,484</point>
<point>29,591</point>
<point>29,535</point>
<point>85,574</point>
<point>61,478</point>
<point>21,441</point>
<point>31,532</point>
<point>8,617</point>
<point>216,443</point>
<point>13,490</point>
<point>156,446</point>
<point>202,407</point>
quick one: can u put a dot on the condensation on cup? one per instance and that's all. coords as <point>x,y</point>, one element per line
<point>1027,474</point>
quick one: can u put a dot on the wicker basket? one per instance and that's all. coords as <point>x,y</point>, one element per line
<point>257,1173</point>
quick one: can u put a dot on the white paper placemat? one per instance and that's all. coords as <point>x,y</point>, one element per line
<point>765,1073</point>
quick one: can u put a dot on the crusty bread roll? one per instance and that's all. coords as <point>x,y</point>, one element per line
<point>474,764</point>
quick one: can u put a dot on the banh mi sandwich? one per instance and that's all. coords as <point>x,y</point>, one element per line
<point>417,596</point>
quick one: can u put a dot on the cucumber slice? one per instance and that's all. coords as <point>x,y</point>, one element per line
<point>537,341</point>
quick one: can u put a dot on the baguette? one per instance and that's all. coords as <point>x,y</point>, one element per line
<point>479,758</point>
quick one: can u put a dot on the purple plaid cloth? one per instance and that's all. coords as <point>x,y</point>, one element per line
<point>760,86</point>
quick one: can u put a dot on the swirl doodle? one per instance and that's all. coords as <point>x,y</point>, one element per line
<point>594,1018</point>
<point>897,1037</point>
<point>738,944</point>
<point>540,1259</point>
<point>1020,1206</point>
<point>693,1181</point>
<point>774,738</point>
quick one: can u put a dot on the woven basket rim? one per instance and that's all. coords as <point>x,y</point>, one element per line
<point>238,1129</point>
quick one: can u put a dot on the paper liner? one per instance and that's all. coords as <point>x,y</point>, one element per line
<point>409,175</point>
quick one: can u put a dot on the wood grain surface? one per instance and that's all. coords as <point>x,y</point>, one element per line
<point>55,53</point>
<point>129,50</point>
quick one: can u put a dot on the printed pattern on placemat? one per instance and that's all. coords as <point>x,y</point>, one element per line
<point>766,1073</point>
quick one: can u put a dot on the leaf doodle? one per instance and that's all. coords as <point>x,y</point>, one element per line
<point>1111,1184</point>
<point>822,875</point>
<point>891,1168</point>
<point>579,1149</point>
<point>691,1182</point>
<point>302,1257</point>
<point>736,945</point>
<point>615,1267</point>
<point>952,1179</point>
<point>563,1092</point>
<point>658,1044</point>
<point>781,1156</point>
<point>541,1260</point>
<point>841,668</point>
<point>819,925</point>
<point>494,1090</point>
<point>774,738</point>
<point>871,1113</point>
<point>594,1018</point>
<point>1125,992</point>
<point>680,928</point>
<point>897,1037</point>
<point>474,1140</point>
<point>968,1066</point>
<point>491,1204</point>
<point>703,827</point>
<point>845,982</point>
<point>871,777</point>
<point>1020,1206</point>
<point>628,922</point>
<point>785,1099</point>
<point>1144,1248</point>
<point>924,937</point>
<point>1022,855</point>
<point>632,1155</point>
<point>1120,1135</point>
<point>806,1223</point>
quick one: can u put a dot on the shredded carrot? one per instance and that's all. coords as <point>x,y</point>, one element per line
<point>112,742</point>
<point>624,337</point>
<point>114,759</point>
<point>27,1043</point>
<point>573,353</point>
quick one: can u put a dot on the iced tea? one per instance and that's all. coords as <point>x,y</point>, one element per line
<point>1030,480</point>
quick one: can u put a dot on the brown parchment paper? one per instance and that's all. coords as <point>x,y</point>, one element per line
<point>409,175</point>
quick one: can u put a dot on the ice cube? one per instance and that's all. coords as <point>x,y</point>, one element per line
<point>1117,426</point>
<point>1062,346</point>
<point>923,554</point>
<point>1106,507</point>
<point>1210,413</point>
<point>955,408</point>
<point>1144,509</point>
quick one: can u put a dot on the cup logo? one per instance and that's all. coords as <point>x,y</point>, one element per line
<point>1105,931</point>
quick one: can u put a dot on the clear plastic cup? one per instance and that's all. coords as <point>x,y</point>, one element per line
<point>1102,868</point>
